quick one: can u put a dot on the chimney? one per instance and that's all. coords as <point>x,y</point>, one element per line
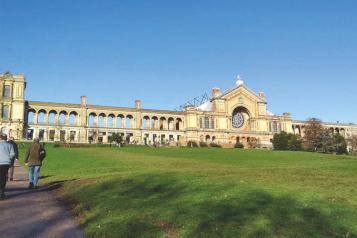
<point>137,104</point>
<point>216,92</point>
<point>84,100</point>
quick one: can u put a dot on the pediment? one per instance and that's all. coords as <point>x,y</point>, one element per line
<point>242,91</point>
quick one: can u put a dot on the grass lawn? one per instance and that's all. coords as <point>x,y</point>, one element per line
<point>207,192</point>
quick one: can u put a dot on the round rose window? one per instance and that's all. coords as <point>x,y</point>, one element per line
<point>238,120</point>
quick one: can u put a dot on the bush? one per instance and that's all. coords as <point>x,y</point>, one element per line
<point>57,145</point>
<point>254,142</point>
<point>285,141</point>
<point>192,143</point>
<point>340,144</point>
<point>281,141</point>
<point>203,144</point>
<point>295,143</point>
<point>215,145</point>
<point>239,145</point>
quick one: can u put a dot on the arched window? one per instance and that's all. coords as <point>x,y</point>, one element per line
<point>239,116</point>
<point>41,117</point>
<point>73,118</point>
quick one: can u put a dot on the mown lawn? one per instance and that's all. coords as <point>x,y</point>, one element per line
<point>208,192</point>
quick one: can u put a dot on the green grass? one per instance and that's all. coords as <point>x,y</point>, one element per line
<point>145,192</point>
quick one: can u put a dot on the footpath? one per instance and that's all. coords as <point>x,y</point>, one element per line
<point>34,213</point>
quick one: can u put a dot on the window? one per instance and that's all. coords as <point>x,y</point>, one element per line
<point>201,122</point>
<point>6,93</point>
<point>275,127</point>
<point>212,123</point>
<point>207,122</point>
<point>5,111</point>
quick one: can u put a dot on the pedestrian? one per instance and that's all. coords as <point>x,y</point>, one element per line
<point>6,155</point>
<point>12,165</point>
<point>34,157</point>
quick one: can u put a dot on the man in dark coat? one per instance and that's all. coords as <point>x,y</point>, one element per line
<point>34,159</point>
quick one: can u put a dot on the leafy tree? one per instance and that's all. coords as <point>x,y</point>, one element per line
<point>117,138</point>
<point>340,144</point>
<point>313,134</point>
<point>326,143</point>
<point>281,141</point>
<point>294,142</point>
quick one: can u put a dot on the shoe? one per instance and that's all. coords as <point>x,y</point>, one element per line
<point>30,186</point>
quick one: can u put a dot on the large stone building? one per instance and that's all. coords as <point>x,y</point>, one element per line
<point>236,115</point>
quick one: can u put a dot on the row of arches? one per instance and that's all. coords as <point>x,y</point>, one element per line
<point>102,120</point>
<point>52,117</point>
<point>299,130</point>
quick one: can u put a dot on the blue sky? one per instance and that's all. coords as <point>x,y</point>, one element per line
<point>302,54</point>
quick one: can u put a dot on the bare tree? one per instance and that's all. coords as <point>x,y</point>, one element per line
<point>314,133</point>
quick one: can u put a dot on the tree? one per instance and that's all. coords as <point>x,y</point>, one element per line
<point>281,141</point>
<point>117,138</point>
<point>326,142</point>
<point>294,142</point>
<point>340,145</point>
<point>352,141</point>
<point>313,134</point>
<point>287,141</point>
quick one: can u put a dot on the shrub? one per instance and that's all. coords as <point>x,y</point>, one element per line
<point>215,145</point>
<point>254,142</point>
<point>192,143</point>
<point>295,142</point>
<point>203,144</point>
<point>281,141</point>
<point>340,144</point>
<point>57,145</point>
<point>239,145</point>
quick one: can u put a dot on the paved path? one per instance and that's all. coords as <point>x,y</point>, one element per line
<point>34,213</point>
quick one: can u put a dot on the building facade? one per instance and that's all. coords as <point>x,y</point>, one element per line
<point>236,115</point>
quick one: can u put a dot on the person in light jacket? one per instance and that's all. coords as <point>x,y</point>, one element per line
<point>7,154</point>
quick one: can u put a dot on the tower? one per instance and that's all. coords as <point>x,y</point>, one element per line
<point>12,104</point>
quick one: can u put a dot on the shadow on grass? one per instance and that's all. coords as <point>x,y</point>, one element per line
<point>134,207</point>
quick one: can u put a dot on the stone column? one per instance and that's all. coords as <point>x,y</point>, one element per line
<point>45,121</point>
<point>123,122</point>
<point>114,122</point>
<point>105,122</point>
<point>35,118</point>
<point>56,122</point>
<point>95,122</point>
<point>66,120</point>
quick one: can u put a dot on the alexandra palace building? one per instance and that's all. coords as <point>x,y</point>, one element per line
<point>238,114</point>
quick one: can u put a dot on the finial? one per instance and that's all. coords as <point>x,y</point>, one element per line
<point>239,80</point>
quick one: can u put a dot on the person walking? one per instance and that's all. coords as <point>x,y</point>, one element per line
<point>7,154</point>
<point>12,165</point>
<point>34,157</point>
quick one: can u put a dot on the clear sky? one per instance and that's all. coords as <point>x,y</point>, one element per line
<point>302,54</point>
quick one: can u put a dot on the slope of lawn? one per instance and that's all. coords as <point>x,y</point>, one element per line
<point>207,192</point>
